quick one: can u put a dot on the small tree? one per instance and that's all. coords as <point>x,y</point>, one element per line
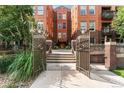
<point>14,23</point>
<point>118,21</point>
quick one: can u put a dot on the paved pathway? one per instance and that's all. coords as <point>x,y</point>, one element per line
<point>64,75</point>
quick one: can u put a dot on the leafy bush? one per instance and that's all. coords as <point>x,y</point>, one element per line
<point>21,68</point>
<point>67,47</point>
<point>56,47</point>
<point>5,62</point>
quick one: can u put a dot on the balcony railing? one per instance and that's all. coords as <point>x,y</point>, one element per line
<point>108,15</point>
<point>107,31</point>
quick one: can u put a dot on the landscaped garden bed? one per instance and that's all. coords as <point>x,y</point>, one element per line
<point>16,63</point>
<point>16,70</point>
<point>6,83</point>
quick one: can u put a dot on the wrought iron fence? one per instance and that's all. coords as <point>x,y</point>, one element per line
<point>39,53</point>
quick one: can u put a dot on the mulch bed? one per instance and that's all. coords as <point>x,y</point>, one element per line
<point>4,81</point>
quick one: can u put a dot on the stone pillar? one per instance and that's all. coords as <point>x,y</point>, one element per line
<point>110,55</point>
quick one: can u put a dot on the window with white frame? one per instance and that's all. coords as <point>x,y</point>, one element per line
<point>59,16</point>
<point>59,26</point>
<point>83,26</point>
<point>92,9</point>
<point>39,25</point>
<point>63,16</point>
<point>92,25</point>
<point>64,35</point>
<point>40,10</point>
<point>83,10</point>
<point>59,35</point>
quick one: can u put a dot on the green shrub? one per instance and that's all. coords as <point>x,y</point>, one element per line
<point>21,68</point>
<point>5,62</point>
<point>56,47</point>
<point>67,47</point>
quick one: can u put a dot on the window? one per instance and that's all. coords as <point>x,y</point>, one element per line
<point>64,16</point>
<point>106,29</point>
<point>92,40</point>
<point>92,10</point>
<point>59,35</point>
<point>64,35</point>
<point>92,25</point>
<point>64,25</point>
<point>39,25</point>
<point>83,26</point>
<point>40,10</point>
<point>59,16</point>
<point>59,26</point>
<point>83,10</point>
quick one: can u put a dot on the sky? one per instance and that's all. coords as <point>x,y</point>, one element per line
<point>68,6</point>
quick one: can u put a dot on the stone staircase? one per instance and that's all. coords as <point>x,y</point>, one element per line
<point>61,57</point>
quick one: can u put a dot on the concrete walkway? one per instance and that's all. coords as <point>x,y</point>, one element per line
<point>64,75</point>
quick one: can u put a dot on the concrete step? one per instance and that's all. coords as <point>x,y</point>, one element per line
<point>61,61</point>
<point>60,58</point>
<point>63,56</point>
<point>68,55</point>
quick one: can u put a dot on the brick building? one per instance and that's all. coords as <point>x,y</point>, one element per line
<point>62,24</point>
<point>97,19</point>
<point>62,30</point>
<point>44,18</point>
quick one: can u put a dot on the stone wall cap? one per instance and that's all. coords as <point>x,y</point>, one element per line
<point>110,43</point>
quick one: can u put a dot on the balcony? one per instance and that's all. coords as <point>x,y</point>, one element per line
<point>107,31</point>
<point>108,15</point>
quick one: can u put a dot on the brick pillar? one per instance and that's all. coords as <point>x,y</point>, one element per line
<point>110,55</point>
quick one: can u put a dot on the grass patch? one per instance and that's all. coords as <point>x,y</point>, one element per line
<point>119,71</point>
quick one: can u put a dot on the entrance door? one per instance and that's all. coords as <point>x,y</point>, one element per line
<point>83,53</point>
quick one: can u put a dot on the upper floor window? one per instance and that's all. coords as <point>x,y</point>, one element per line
<point>59,26</point>
<point>64,35</point>
<point>39,25</point>
<point>40,10</point>
<point>83,26</point>
<point>64,25</point>
<point>59,16</point>
<point>59,35</point>
<point>83,10</point>
<point>92,25</point>
<point>64,16</point>
<point>92,10</point>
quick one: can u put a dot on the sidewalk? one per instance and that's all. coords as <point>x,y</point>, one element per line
<point>64,75</point>
<point>102,72</point>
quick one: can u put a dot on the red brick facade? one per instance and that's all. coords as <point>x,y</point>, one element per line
<point>63,24</point>
<point>44,14</point>
<point>89,16</point>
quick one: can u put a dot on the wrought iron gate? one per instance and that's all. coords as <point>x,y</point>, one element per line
<point>83,53</point>
<point>39,53</point>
